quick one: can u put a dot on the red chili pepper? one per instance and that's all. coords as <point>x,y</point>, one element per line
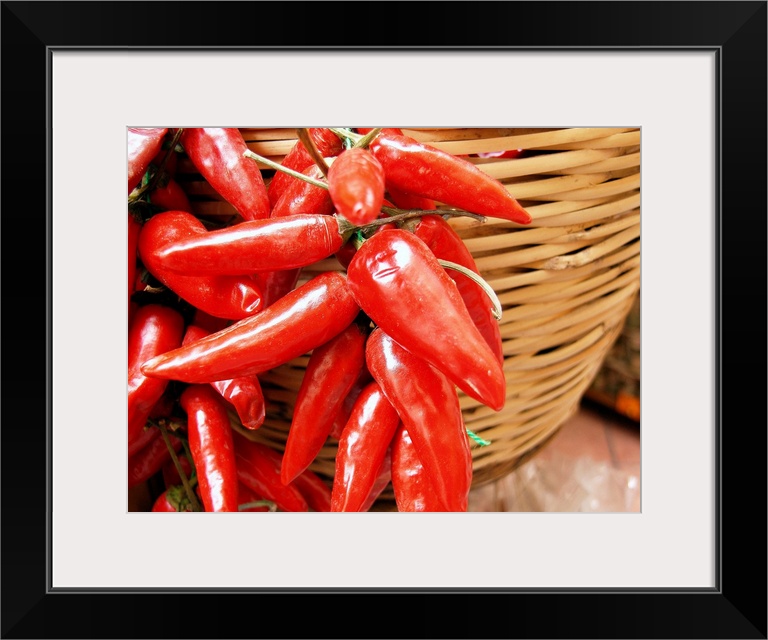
<point>331,372</point>
<point>143,145</point>
<point>429,408</point>
<point>246,497</point>
<point>328,145</point>
<point>405,200</point>
<point>508,153</point>
<point>255,246</point>
<point>306,318</point>
<point>231,297</point>
<point>426,171</point>
<point>150,459</point>
<point>345,410</point>
<point>174,499</point>
<point>446,244</point>
<point>155,329</point>
<point>356,185</point>
<point>398,282</point>
<point>217,153</point>
<point>362,448</point>
<point>171,474</point>
<point>210,443</point>
<point>144,437</point>
<point>258,468</point>
<point>169,196</point>
<point>243,393</point>
<point>410,483</point>
<point>315,491</point>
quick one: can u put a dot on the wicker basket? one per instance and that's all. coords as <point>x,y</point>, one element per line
<point>566,282</point>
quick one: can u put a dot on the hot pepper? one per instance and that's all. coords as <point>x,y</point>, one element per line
<point>217,153</point>
<point>328,144</point>
<point>421,169</point>
<point>169,196</point>
<point>331,372</point>
<point>174,499</point>
<point>356,185</point>
<point>231,297</point>
<point>143,146</point>
<point>244,393</point>
<point>362,448</point>
<point>210,443</point>
<point>398,282</point>
<point>155,329</point>
<point>383,478</point>
<point>304,319</point>
<point>255,245</point>
<point>446,244</point>
<point>428,406</point>
<point>150,459</point>
<point>258,468</point>
<point>315,491</point>
<point>410,483</point>
<point>247,496</point>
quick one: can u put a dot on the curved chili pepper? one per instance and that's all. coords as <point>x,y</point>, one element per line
<point>429,408</point>
<point>304,319</point>
<point>356,185</point>
<point>144,437</point>
<point>143,146</point>
<point>217,153</point>
<point>410,483</point>
<point>169,196</point>
<point>174,500</point>
<point>244,393</point>
<point>258,468</point>
<point>256,245</point>
<point>150,459</point>
<point>210,443</point>
<point>331,372</point>
<point>446,244</point>
<point>345,410</point>
<point>426,171</point>
<point>398,282</point>
<point>231,297</point>
<point>155,329</point>
<point>315,491</point>
<point>362,447</point>
<point>298,158</point>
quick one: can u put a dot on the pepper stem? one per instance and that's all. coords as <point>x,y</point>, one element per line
<point>187,486</point>
<point>311,147</point>
<point>148,186</point>
<point>496,308</point>
<point>275,165</point>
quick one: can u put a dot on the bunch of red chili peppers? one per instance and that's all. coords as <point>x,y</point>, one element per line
<point>392,336</point>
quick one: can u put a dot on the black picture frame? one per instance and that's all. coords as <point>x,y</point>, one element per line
<point>736,608</point>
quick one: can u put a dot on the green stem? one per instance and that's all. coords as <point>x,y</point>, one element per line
<point>140,191</point>
<point>496,308</point>
<point>311,147</point>
<point>366,139</point>
<point>187,486</point>
<point>274,165</point>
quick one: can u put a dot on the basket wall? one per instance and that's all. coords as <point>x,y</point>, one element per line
<point>566,282</point>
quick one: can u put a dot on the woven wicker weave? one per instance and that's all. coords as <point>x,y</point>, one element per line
<point>566,282</point>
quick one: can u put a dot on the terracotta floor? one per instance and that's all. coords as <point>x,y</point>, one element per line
<point>592,464</point>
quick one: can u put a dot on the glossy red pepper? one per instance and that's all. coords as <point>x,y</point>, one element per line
<point>244,393</point>
<point>171,474</point>
<point>211,446</point>
<point>410,483</point>
<point>247,496</point>
<point>174,500</point>
<point>231,297</point>
<point>446,244</point>
<point>345,410</point>
<point>362,448</point>
<point>169,196</point>
<point>315,491</point>
<point>382,481</point>
<point>150,459</point>
<point>143,146</point>
<point>428,406</point>
<point>421,169</point>
<point>330,374</point>
<point>328,144</point>
<point>356,185</point>
<point>258,468</point>
<point>304,319</point>
<point>255,246</point>
<point>155,329</point>
<point>217,153</point>
<point>144,437</point>
<point>398,282</point>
